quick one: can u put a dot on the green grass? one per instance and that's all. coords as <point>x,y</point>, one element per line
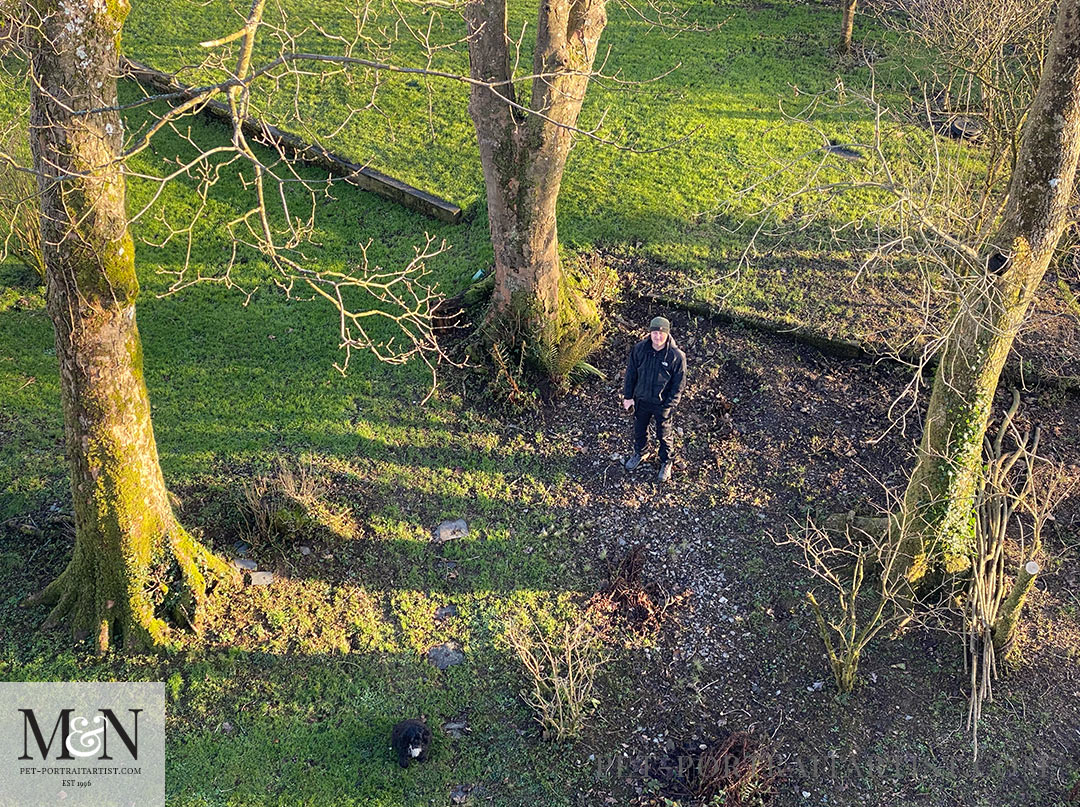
<point>716,108</point>
<point>310,674</point>
<point>259,727</point>
<point>317,672</point>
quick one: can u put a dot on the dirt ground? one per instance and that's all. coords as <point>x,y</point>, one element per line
<point>768,431</point>
<point>885,316</point>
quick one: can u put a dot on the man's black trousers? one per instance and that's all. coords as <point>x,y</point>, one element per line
<point>643,413</point>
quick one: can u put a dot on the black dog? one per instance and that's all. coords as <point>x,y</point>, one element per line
<point>409,740</point>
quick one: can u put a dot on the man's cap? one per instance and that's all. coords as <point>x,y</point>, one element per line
<point>660,324</point>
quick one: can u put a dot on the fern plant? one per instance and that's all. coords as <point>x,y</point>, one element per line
<point>554,349</point>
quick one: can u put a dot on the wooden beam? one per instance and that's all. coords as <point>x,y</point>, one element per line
<point>367,179</point>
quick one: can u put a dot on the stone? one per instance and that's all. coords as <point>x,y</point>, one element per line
<point>261,578</point>
<point>244,564</point>
<point>457,727</point>
<point>446,611</point>
<point>242,547</point>
<point>449,530</point>
<point>462,794</point>
<point>448,654</point>
<point>305,550</point>
<point>963,128</point>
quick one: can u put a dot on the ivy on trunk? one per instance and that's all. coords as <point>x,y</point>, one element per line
<point>938,507</point>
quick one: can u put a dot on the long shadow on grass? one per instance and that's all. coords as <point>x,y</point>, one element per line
<point>391,549</point>
<point>258,728</point>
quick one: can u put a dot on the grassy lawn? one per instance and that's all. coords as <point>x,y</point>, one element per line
<point>289,695</point>
<point>725,92</point>
<point>716,108</point>
<point>312,672</point>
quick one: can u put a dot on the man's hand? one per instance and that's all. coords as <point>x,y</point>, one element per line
<point>627,403</point>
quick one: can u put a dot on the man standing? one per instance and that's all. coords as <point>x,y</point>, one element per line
<point>655,375</point>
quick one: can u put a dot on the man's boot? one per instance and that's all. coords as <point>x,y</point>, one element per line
<point>633,462</point>
<point>665,472</point>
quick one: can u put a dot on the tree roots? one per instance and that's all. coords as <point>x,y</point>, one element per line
<point>134,602</point>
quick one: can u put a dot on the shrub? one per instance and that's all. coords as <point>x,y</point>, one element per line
<point>560,664</point>
<point>19,229</point>
<point>530,350</point>
<point>290,504</point>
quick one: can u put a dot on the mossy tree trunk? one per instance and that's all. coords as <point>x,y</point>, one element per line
<point>133,564</point>
<point>1009,613</point>
<point>523,154</point>
<point>938,506</point>
<point>847,25</point>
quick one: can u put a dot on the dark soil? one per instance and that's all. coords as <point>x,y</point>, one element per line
<point>768,432</point>
<point>883,316</point>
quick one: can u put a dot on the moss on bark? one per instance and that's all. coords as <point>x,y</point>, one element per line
<point>523,156</point>
<point>938,505</point>
<point>134,567</point>
<point>118,599</point>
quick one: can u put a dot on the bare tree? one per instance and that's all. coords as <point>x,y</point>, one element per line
<point>19,226</point>
<point>523,151</point>
<point>847,24</point>
<point>130,549</point>
<point>134,567</point>
<point>19,229</point>
<point>861,596</point>
<point>846,623</point>
<point>969,189</point>
<point>987,57</point>
<point>129,545</point>
<point>524,122</point>
<point>940,493</point>
<point>1016,495</point>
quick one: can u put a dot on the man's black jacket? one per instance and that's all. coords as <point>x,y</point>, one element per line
<point>655,377</point>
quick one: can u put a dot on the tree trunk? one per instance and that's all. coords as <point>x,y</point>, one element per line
<point>938,507</point>
<point>847,24</point>
<point>523,154</point>
<point>133,563</point>
<point>1009,614</point>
